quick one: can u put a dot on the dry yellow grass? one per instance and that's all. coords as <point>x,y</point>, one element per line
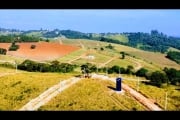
<point>18,89</point>
<point>92,94</point>
<point>158,94</point>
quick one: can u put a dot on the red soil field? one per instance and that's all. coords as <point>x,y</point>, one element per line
<point>43,50</point>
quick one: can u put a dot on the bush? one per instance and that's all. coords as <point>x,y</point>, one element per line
<point>130,69</point>
<point>141,72</point>
<point>3,51</point>
<point>33,46</point>
<point>157,78</point>
<point>13,47</point>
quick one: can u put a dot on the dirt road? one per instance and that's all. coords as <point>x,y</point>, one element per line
<point>81,56</point>
<point>138,65</point>
<point>142,99</point>
<point>103,64</point>
<point>46,96</point>
<point>82,46</point>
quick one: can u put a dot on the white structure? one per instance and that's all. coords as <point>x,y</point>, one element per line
<point>91,57</point>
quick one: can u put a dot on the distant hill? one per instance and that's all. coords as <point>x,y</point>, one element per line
<point>154,41</point>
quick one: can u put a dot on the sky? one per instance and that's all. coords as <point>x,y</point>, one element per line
<point>166,21</point>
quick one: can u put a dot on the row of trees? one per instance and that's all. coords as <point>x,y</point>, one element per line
<point>173,55</point>
<point>18,38</point>
<point>54,66</point>
<point>68,33</point>
<point>89,68</point>
<point>157,78</point>
<point>155,41</point>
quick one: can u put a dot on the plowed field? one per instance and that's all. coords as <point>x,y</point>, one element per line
<point>42,51</point>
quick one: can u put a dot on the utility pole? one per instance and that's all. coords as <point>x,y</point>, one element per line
<point>106,71</point>
<point>15,66</point>
<point>165,105</point>
<point>119,72</point>
<point>84,72</point>
<point>138,84</point>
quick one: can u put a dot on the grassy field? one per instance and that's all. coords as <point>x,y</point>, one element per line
<point>71,56</point>
<point>120,38</point>
<point>98,59</point>
<point>6,70</point>
<point>150,66</point>
<point>86,43</point>
<point>74,42</point>
<point>10,58</point>
<point>90,95</point>
<point>121,62</point>
<point>150,60</point>
<point>18,89</point>
<point>156,59</point>
<point>37,34</point>
<point>158,94</point>
<point>173,49</point>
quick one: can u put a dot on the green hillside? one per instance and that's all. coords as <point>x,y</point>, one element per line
<point>121,38</point>
<point>149,60</point>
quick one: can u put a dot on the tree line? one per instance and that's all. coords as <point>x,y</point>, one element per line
<point>157,78</point>
<point>54,66</point>
<point>173,55</point>
<point>18,38</point>
<point>154,41</point>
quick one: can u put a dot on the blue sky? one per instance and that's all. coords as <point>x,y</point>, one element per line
<point>96,21</point>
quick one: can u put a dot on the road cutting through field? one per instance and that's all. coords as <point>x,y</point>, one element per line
<point>46,96</point>
<point>142,99</point>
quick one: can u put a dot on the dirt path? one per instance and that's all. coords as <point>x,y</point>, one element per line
<point>5,74</point>
<point>82,46</point>
<point>81,56</point>
<point>103,64</point>
<point>138,65</point>
<point>60,41</point>
<point>46,96</point>
<point>142,99</point>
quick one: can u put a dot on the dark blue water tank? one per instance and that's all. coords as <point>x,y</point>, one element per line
<point>118,84</point>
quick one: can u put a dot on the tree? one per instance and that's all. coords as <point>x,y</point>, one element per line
<point>3,51</point>
<point>101,48</point>
<point>157,78</point>
<point>33,46</point>
<point>123,55</point>
<point>13,46</point>
<point>88,68</point>
<point>173,75</point>
<point>129,69</point>
<point>47,40</point>
<point>141,72</point>
<point>173,55</point>
<point>115,69</point>
<point>110,46</point>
